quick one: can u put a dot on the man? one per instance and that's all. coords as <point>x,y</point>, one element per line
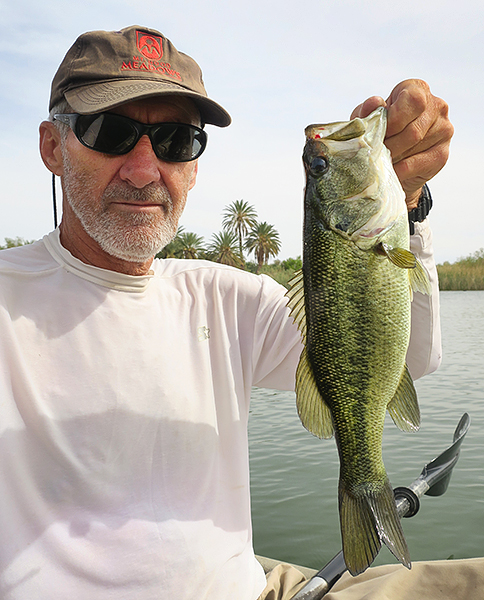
<point>125,381</point>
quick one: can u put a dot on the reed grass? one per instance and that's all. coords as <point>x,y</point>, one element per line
<point>465,274</point>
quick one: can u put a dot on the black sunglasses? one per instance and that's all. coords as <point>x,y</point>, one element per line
<point>115,134</point>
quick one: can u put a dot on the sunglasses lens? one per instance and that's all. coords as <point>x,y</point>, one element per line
<point>106,133</point>
<point>114,134</point>
<point>176,142</point>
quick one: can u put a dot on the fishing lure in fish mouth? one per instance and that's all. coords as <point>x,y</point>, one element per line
<point>351,302</point>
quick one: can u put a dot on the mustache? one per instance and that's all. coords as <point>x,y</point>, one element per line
<point>153,193</point>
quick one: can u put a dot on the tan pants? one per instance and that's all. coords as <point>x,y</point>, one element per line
<point>431,580</point>
<point>283,581</point>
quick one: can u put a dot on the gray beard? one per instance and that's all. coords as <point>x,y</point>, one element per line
<point>133,237</point>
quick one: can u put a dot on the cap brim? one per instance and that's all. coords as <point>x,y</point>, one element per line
<point>103,96</point>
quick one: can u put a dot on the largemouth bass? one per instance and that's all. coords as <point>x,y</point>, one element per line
<point>351,302</point>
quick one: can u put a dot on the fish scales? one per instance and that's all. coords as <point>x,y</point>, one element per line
<point>357,276</point>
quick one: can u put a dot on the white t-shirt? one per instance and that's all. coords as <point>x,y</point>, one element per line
<point>123,424</point>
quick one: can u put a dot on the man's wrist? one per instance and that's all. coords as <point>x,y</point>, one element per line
<point>420,212</point>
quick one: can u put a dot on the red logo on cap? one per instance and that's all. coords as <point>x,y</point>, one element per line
<point>150,46</point>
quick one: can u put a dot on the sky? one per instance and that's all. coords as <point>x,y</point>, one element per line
<point>276,67</point>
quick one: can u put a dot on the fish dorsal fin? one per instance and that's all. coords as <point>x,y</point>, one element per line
<point>403,407</point>
<point>312,409</point>
<point>296,302</point>
<point>404,259</point>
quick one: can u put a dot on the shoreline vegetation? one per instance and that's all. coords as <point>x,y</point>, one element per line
<point>466,274</point>
<point>243,238</point>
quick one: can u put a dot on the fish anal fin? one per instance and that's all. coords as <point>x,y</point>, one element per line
<point>312,409</point>
<point>368,518</point>
<point>403,407</point>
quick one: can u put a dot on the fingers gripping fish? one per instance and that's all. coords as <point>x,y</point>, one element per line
<point>351,302</point>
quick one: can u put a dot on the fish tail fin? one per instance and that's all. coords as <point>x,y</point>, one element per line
<point>367,520</point>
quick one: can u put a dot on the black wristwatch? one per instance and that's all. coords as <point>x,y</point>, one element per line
<point>420,212</point>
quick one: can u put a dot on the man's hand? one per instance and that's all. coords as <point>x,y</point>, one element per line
<point>418,133</point>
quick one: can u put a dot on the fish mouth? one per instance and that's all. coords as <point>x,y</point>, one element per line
<point>356,192</point>
<point>372,128</point>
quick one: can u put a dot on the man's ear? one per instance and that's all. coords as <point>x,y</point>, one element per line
<point>50,147</point>
<point>194,175</point>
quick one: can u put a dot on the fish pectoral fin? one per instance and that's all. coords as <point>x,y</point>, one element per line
<point>419,279</point>
<point>312,409</point>
<point>403,407</point>
<point>296,302</point>
<point>367,520</point>
<point>404,259</point>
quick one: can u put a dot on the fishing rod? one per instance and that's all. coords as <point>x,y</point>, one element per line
<point>432,481</point>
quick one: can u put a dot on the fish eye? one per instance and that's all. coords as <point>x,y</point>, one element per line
<point>318,166</point>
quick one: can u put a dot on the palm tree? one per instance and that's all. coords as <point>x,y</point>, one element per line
<point>223,249</point>
<point>263,241</point>
<point>238,218</point>
<point>191,244</point>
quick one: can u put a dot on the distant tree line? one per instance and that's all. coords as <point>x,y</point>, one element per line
<point>244,237</point>
<point>464,274</point>
<point>14,242</point>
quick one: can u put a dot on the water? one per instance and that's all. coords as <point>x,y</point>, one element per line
<point>294,475</point>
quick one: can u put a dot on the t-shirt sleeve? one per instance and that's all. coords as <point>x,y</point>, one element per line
<point>425,348</point>
<point>277,341</point>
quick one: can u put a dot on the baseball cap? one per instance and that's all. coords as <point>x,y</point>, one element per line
<point>104,69</point>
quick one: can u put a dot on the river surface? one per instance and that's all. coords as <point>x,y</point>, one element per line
<point>294,475</point>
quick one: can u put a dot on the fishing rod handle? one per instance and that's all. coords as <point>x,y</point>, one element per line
<point>315,589</point>
<point>406,501</point>
<point>324,580</point>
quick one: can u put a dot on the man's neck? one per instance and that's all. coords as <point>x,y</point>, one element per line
<point>87,250</point>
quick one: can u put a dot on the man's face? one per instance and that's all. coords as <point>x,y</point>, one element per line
<point>128,205</point>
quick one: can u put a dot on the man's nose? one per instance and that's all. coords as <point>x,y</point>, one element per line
<point>141,165</point>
